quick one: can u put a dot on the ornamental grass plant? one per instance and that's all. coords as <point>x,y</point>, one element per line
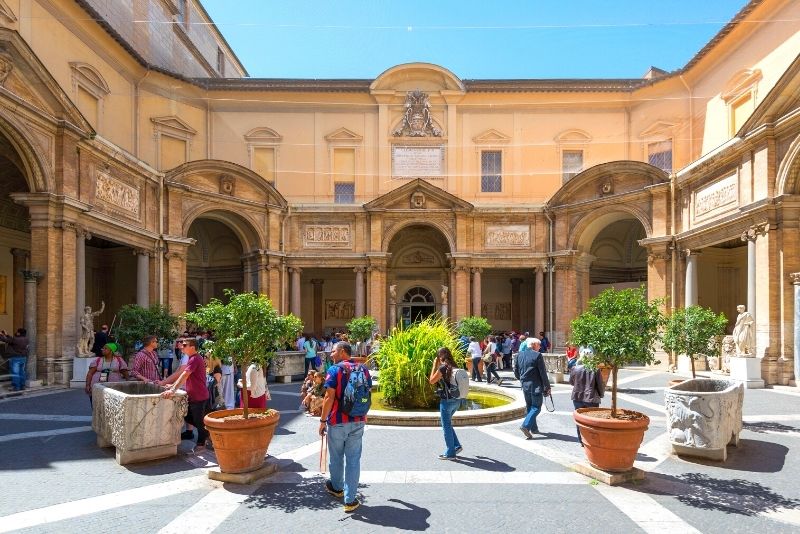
<point>406,357</point>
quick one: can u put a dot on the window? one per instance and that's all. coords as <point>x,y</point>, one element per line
<point>571,164</point>
<point>660,155</point>
<point>89,105</point>
<point>491,171</point>
<point>264,162</point>
<point>740,112</point>
<point>173,152</point>
<point>344,192</point>
<point>220,62</point>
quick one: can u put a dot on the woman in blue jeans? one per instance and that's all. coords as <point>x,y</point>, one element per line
<point>442,375</point>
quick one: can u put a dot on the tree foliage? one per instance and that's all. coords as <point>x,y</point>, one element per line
<point>405,360</point>
<point>361,328</point>
<point>474,326</point>
<point>136,322</point>
<point>247,329</point>
<point>620,327</point>
<point>695,331</point>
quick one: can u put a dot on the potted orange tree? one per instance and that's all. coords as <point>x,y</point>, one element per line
<point>620,327</point>
<point>248,330</point>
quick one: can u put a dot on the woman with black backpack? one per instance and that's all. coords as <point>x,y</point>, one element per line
<point>447,389</point>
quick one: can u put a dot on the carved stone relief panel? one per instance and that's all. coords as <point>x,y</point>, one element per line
<point>508,236</point>
<point>117,193</point>
<point>716,198</point>
<point>340,309</point>
<point>500,311</point>
<point>326,236</point>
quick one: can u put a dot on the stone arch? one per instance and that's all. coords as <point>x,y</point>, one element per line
<point>788,178</point>
<point>443,78</point>
<point>395,230</point>
<point>242,225</point>
<point>37,172</point>
<point>594,221</point>
<point>624,176</point>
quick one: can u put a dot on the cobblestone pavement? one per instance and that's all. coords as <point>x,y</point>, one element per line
<point>56,479</point>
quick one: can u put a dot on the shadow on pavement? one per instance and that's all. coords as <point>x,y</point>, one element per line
<point>412,517</point>
<point>306,494</point>
<point>731,496</point>
<point>762,427</point>
<point>634,391</point>
<point>557,436</point>
<point>751,455</point>
<point>485,464</point>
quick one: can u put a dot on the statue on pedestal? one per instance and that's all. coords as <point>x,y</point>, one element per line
<point>744,333</point>
<point>393,294</point>
<point>445,290</point>
<point>87,329</point>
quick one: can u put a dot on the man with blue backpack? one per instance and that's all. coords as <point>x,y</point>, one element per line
<point>344,412</point>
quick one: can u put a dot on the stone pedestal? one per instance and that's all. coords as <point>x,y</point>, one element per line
<point>287,364</point>
<point>556,365</point>
<point>685,364</point>
<point>59,370</point>
<point>80,366</point>
<point>133,417</point>
<point>704,416</point>
<point>747,371</point>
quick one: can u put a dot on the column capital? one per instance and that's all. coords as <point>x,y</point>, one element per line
<point>20,253</point>
<point>317,281</point>
<point>295,270</point>
<point>142,252</point>
<point>795,277</point>
<point>754,231</point>
<point>376,268</point>
<point>359,269</point>
<point>515,281</point>
<point>657,256</point>
<point>477,270</point>
<point>32,276</point>
<point>459,268</point>
<point>178,256</point>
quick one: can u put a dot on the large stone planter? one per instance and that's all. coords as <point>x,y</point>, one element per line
<point>286,364</point>
<point>556,365</point>
<point>704,416</point>
<point>133,417</point>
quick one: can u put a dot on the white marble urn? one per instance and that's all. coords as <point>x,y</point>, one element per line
<point>704,416</point>
<point>133,417</point>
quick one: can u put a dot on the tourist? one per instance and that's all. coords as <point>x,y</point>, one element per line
<point>18,359</point>
<point>489,359</point>
<point>545,342</point>
<point>475,354</point>
<point>228,384</point>
<point>530,370</point>
<point>214,384</point>
<point>345,432</point>
<point>100,340</point>
<point>300,343</point>
<point>145,362</point>
<point>315,395</point>
<point>310,348</point>
<point>505,348</point>
<point>442,376</point>
<point>194,376</point>
<point>588,387</point>
<point>572,355</point>
<point>257,390</point>
<point>110,367</point>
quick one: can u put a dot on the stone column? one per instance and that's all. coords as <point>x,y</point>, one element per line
<point>142,278</point>
<point>361,304</point>
<point>538,312</point>
<point>461,292</point>
<point>476,291</point>
<point>376,305</point>
<point>80,278</point>
<point>176,277</point>
<point>515,308</point>
<point>796,282</point>
<point>295,306</point>
<point>31,280</point>
<point>20,263</point>
<point>750,237</point>
<point>317,312</point>
<point>445,311</point>
<point>690,296</point>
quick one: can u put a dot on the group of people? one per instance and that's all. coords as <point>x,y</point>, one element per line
<point>495,352</point>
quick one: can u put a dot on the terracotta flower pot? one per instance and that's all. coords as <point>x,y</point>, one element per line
<point>610,444</point>
<point>240,444</point>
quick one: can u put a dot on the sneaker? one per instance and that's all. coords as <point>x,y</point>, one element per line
<point>527,432</point>
<point>445,457</point>
<point>329,488</point>
<point>459,449</point>
<point>351,506</point>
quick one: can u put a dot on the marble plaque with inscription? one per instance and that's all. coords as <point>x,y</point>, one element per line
<point>326,236</point>
<point>510,236</point>
<point>417,161</point>
<point>117,193</point>
<point>718,195</point>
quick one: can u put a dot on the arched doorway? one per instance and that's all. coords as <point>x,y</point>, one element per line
<point>418,270</point>
<point>214,262</point>
<point>417,304</point>
<point>619,261</point>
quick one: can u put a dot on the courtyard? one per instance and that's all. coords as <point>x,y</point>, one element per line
<point>58,480</point>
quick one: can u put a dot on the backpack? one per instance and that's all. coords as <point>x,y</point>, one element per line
<point>448,391</point>
<point>356,393</point>
<point>461,378</point>
<point>215,399</point>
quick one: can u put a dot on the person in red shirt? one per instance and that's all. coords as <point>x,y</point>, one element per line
<point>195,377</point>
<point>145,363</point>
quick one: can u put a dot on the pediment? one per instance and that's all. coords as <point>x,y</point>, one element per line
<point>573,136</point>
<point>424,76</point>
<point>418,195</point>
<point>740,83</point>
<point>23,76</point>
<point>607,179</point>
<point>658,129</point>
<point>6,13</point>
<point>90,78</point>
<point>173,125</point>
<point>490,137</point>
<point>263,134</point>
<point>343,134</point>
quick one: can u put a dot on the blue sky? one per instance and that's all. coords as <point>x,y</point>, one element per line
<point>472,38</point>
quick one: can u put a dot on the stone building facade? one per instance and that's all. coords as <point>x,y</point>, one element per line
<point>141,164</point>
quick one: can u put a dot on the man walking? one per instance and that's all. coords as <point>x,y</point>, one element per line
<point>588,388</point>
<point>195,377</point>
<point>18,359</point>
<point>345,432</point>
<point>145,363</point>
<point>532,374</point>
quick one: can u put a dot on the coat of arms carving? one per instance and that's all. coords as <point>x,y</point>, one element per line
<point>417,120</point>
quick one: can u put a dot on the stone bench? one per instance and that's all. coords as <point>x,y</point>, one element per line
<point>133,417</point>
<point>287,364</point>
